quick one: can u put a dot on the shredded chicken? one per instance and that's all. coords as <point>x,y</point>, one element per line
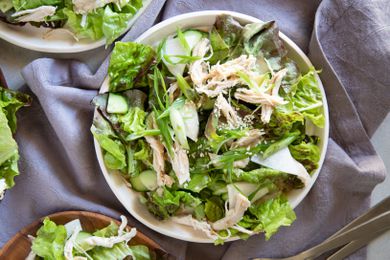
<point>110,241</point>
<point>68,248</point>
<point>87,6</point>
<point>219,77</point>
<point>158,158</point>
<point>203,226</point>
<point>241,163</point>
<point>3,187</point>
<point>228,112</point>
<point>268,99</point>
<point>180,163</point>
<point>238,204</point>
<point>198,69</point>
<point>35,15</point>
<point>251,140</point>
<point>158,161</point>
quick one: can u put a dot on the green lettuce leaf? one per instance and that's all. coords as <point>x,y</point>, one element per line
<point>306,152</point>
<point>140,252</point>
<point>109,231</point>
<point>6,5</point>
<point>133,121</point>
<point>8,146</point>
<point>93,27</point>
<point>214,208</point>
<point>306,98</point>
<point>114,150</point>
<point>284,121</point>
<point>128,64</point>
<point>10,102</point>
<point>273,214</point>
<point>50,241</point>
<point>114,24</point>
<point>118,251</point>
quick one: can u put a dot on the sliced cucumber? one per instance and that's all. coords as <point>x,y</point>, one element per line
<point>80,241</point>
<point>117,103</point>
<point>192,37</point>
<point>173,47</point>
<point>145,181</point>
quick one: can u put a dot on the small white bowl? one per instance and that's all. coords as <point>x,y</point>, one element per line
<point>130,198</point>
<point>53,41</point>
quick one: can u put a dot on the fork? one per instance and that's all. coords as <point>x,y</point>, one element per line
<point>360,231</point>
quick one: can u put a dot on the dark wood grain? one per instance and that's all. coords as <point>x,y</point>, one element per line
<point>19,246</point>
<point>3,82</point>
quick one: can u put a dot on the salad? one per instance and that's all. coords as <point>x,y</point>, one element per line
<point>10,102</point>
<point>211,127</point>
<point>92,19</point>
<point>70,241</point>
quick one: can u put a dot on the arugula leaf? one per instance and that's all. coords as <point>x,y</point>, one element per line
<point>129,62</point>
<point>50,241</point>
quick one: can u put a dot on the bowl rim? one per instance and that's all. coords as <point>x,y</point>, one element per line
<point>250,19</point>
<point>13,37</point>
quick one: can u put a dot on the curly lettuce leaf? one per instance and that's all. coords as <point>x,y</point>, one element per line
<point>262,40</point>
<point>284,121</point>
<point>91,28</point>
<point>271,215</point>
<point>50,241</point>
<point>114,151</point>
<point>133,121</point>
<point>306,98</point>
<point>129,62</point>
<point>306,152</point>
<point>10,102</point>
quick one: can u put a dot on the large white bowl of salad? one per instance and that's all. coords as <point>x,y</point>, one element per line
<point>211,127</point>
<point>67,26</point>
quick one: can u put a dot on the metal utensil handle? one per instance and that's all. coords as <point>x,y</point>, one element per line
<point>378,209</point>
<point>355,245</point>
<point>374,225</point>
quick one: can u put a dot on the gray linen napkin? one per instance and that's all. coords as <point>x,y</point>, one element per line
<point>60,172</point>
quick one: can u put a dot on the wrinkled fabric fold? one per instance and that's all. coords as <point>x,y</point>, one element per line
<point>58,165</point>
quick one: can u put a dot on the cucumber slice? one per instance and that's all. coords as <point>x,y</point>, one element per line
<point>145,181</point>
<point>80,241</point>
<point>173,47</point>
<point>117,103</point>
<point>149,179</point>
<point>192,37</point>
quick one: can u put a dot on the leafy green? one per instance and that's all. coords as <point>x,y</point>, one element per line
<point>284,121</point>
<point>307,153</point>
<point>118,251</point>
<point>307,99</point>
<point>129,62</point>
<point>140,252</point>
<point>6,5</point>
<point>10,102</point>
<point>272,214</point>
<point>109,231</point>
<point>92,28</point>
<point>281,143</point>
<point>114,150</point>
<point>220,48</point>
<point>133,121</point>
<point>8,146</point>
<point>50,241</point>
<point>114,24</point>
<point>214,208</point>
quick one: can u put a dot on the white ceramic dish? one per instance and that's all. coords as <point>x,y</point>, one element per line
<point>129,198</point>
<point>53,41</point>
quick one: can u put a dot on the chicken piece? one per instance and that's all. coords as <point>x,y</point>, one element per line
<point>198,70</point>
<point>203,226</point>
<point>221,76</point>
<point>241,163</point>
<point>68,248</point>
<point>180,163</point>
<point>254,96</point>
<point>158,161</point>
<point>251,140</point>
<point>87,6</point>
<point>238,204</point>
<point>35,15</point>
<point>110,241</point>
<point>228,112</point>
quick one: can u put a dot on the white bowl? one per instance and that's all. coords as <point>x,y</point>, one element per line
<point>130,198</point>
<point>53,41</point>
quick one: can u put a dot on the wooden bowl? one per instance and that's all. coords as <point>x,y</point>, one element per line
<point>19,246</point>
